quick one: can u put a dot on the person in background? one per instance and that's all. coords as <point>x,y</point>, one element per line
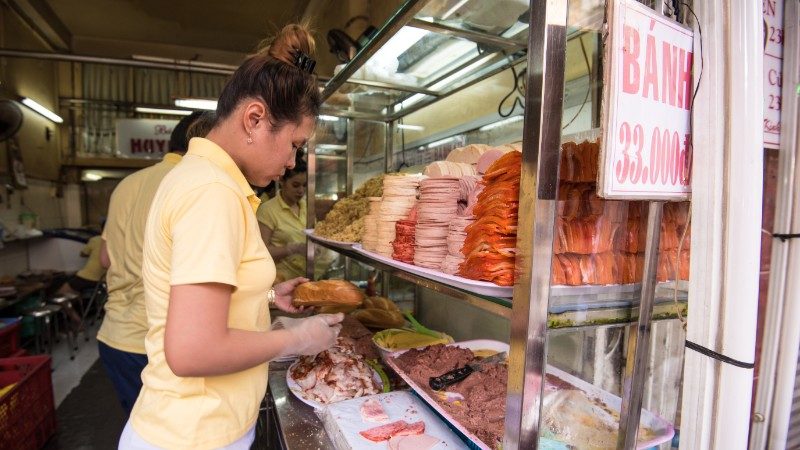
<point>121,336</point>
<point>208,276</point>
<point>84,279</point>
<point>282,220</point>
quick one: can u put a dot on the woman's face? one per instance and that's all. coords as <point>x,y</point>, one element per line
<point>275,149</point>
<point>294,188</point>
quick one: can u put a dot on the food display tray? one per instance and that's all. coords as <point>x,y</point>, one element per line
<point>477,287</point>
<point>343,422</point>
<point>663,430</point>
<point>338,244</point>
<point>298,391</point>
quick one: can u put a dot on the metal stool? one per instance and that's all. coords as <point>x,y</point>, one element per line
<point>96,300</point>
<point>43,337</point>
<point>64,302</point>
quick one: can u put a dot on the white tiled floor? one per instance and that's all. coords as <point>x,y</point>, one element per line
<point>67,373</point>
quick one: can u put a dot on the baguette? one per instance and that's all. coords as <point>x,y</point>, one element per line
<point>328,293</point>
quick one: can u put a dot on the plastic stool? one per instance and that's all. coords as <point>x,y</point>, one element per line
<point>58,312</point>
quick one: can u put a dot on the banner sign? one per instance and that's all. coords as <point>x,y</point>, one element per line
<point>144,138</point>
<point>646,149</point>
<point>773,67</point>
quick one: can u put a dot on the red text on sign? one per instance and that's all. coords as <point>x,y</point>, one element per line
<point>643,70</point>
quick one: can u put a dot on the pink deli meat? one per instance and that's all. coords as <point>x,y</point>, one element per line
<point>416,442</point>
<point>390,430</point>
<point>372,411</point>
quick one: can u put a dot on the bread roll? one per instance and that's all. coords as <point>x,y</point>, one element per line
<point>327,293</point>
<point>379,318</point>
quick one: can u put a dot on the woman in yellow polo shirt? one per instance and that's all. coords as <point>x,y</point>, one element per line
<point>207,273</point>
<point>282,220</point>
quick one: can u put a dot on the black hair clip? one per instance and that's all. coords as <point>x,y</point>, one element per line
<point>304,62</point>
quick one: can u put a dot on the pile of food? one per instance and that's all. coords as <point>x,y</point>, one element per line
<point>490,246</point>
<point>569,414</point>
<point>602,242</point>
<point>345,221</point>
<point>336,374</point>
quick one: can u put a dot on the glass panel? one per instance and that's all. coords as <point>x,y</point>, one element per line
<point>372,100</point>
<point>597,269</point>
<point>504,18</point>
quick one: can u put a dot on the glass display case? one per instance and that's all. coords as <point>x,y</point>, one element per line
<point>579,259</point>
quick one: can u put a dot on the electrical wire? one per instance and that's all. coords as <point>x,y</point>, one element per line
<point>588,89</point>
<point>515,90</point>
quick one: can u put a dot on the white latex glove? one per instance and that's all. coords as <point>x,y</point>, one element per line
<point>310,335</point>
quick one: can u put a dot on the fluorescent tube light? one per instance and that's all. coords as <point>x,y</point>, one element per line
<point>196,103</point>
<point>328,118</point>
<point>32,104</point>
<point>461,73</point>
<point>441,142</point>
<point>410,127</point>
<point>174,112</point>
<point>91,176</point>
<point>501,123</point>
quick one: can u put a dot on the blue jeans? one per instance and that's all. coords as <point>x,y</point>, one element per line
<point>125,371</point>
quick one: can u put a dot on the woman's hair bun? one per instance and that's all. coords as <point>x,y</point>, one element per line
<point>291,39</point>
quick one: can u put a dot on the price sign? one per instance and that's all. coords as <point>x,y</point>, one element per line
<point>144,138</point>
<point>646,150</point>
<point>773,66</point>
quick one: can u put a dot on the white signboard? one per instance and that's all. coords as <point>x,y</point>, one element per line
<point>144,138</point>
<point>773,65</point>
<point>646,149</point>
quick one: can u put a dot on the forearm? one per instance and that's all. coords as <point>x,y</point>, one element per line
<point>278,252</point>
<point>232,350</point>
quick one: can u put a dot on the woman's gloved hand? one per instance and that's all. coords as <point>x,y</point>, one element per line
<point>310,335</point>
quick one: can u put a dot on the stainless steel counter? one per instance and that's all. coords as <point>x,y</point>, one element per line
<point>292,424</point>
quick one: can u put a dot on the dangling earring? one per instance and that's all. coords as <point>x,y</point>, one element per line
<point>249,137</point>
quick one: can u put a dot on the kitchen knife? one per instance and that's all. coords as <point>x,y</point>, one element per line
<point>454,376</point>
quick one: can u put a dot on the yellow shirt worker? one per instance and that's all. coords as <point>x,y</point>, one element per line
<point>282,221</point>
<point>92,270</point>
<point>206,271</point>
<point>120,339</point>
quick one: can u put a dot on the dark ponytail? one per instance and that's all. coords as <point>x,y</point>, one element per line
<point>271,75</point>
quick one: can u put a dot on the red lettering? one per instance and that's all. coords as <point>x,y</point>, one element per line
<point>161,143</point>
<point>630,63</point>
<point>685,80</point>
<point>650,68</point>
<point>669,76</point>
<point>769,7</point>
<point>136,145</point>
<point>148,145</point>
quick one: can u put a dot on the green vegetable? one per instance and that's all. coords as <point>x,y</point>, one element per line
<point>377,367</point>
<point>419,328</point>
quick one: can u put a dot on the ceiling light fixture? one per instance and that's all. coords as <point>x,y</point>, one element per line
<point>196,103</point>
<point>501,123</point>
<point>328,118</point>
<point>441,142</point>
<point>403,126</point>
<point>34,105</point>
<point>174,112</point>
<point>91,176</point>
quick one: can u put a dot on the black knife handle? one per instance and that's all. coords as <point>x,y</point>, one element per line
<point>452,377</point>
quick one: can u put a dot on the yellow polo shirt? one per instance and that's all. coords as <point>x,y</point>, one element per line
<point>287,228</point>
<point>92,270</point>
<point>125,322</point>
<point>202,228</point>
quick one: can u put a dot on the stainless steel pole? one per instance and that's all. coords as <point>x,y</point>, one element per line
<point>639,339</point>
<point>351,145</point>
<point>541,142</point>
<point>311,210</point>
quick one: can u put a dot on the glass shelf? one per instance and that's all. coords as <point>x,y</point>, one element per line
<point>423,54</point>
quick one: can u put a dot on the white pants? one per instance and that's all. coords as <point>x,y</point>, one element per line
<point>130,440</point>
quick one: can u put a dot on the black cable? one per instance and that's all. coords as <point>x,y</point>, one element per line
<point>514,90</point>
<point>718,356</point>
<point>588,89</point>
<point>785,236</point>
<point>702,65</point>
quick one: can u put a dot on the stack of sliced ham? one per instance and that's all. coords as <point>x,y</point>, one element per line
<point>438,205</point>
<point>369,240</point>
<point>455,242</point>
<point>390,430</point>
<point>399,196</point>
<point>403,244</point>
<point>490,245</point>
